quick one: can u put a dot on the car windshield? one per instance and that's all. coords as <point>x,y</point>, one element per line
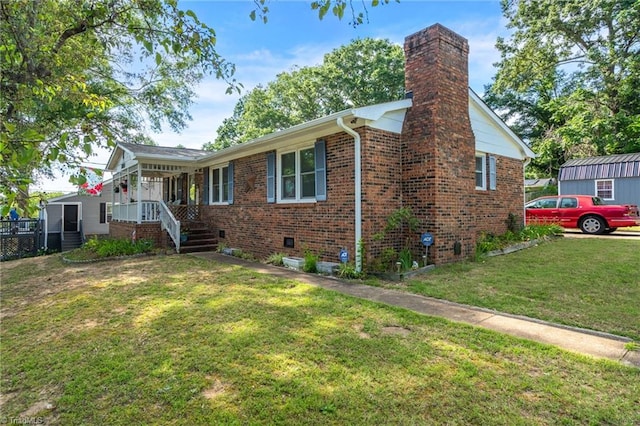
<point>544,203</point>
<point>597,201</point>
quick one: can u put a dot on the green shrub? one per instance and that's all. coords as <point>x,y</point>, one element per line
<point>100,248</point>
<point>310,262</point>
<point>244,255</point>
<point>489,242</point>
<point>348,271</point>
<point>386,261</point>
<point>532,232</point>
<point>276,259</point>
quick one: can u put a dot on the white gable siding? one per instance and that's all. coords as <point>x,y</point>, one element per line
<point>490,137</point>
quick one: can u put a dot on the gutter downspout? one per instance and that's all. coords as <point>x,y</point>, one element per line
<point>524,192</point>
<point>358,189</point>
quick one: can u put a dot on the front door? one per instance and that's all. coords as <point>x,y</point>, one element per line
<point>70,218</point>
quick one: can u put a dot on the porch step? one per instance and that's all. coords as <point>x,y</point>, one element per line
<point>200,238</point>
<point>72,240</point>
<point>199,242</point>
<point>198,248</point>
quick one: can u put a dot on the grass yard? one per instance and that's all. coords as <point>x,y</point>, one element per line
<point>180,340</point>
<point>591,283</point>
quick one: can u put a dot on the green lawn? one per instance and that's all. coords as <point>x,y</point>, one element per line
<point>180,340</point>
<point>591,283</point>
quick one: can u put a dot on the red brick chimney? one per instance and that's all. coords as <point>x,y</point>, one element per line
<point>438,146</point>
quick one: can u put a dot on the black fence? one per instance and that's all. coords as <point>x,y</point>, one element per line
<point>20,238</point>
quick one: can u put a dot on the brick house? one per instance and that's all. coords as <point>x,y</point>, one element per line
<point>329,183</point>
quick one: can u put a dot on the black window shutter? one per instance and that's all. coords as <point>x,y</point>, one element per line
<point>103,212</point>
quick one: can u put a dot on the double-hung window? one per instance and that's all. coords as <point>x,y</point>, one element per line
<point>300,174</point>
<point>604,189</point>
<point>220,185</point>
<point>297,180</point>
<point>481,172</point>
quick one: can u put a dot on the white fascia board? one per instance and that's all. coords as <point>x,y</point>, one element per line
<point>493,119</point>
<point>315,128</point>
<point>112,163</point>
<point>169,159</point>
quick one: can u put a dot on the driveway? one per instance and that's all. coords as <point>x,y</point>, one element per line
<point>619,234</point>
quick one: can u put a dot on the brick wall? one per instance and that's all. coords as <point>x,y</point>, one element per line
<point>149,231</point>
<point>438,157</point>
<point>259,228</point>
<point>492,208</point>
<point>381,189</point>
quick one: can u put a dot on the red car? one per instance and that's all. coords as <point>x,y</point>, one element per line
<point>586,212</point>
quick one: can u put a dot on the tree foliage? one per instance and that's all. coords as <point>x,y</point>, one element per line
<point>364,72</point>
<point>77,75</point>
<point>569,76</point>
<point>359,12</point>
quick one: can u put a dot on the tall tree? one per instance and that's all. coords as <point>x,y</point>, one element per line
<point>364,72</point>
<point>75,75</point>
<point>571,70</point>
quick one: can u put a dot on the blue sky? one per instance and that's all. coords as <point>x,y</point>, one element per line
<point>294,36</point>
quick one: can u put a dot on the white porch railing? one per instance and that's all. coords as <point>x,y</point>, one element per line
<point>129,212</point>
<point>169,222</point>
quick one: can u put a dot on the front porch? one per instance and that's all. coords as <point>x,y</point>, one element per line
<point>154,198</point>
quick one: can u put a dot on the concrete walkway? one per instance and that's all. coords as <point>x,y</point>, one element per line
<point>601,345</point>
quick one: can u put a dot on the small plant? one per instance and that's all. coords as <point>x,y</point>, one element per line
<point>243,255</point>
<point>310,261</point>
<point>348,271</point>
<point>532,232</point>
<point>221,247</point>
<point>276,259</point>
<point>400,219</point>
<point>406,259</point>
<point>386,260</point>
<point>632,346</point>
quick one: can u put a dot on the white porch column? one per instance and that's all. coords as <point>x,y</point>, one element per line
<point>139,193</point>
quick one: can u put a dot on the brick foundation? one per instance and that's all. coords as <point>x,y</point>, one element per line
<point>149,231</point>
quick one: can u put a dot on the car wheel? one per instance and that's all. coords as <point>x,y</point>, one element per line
<point>593,225</point>
<point>609,230</point>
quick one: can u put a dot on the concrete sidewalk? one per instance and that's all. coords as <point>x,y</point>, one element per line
<point>601,345</point>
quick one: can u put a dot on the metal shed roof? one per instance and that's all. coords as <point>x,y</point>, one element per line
<point>605,167</point>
